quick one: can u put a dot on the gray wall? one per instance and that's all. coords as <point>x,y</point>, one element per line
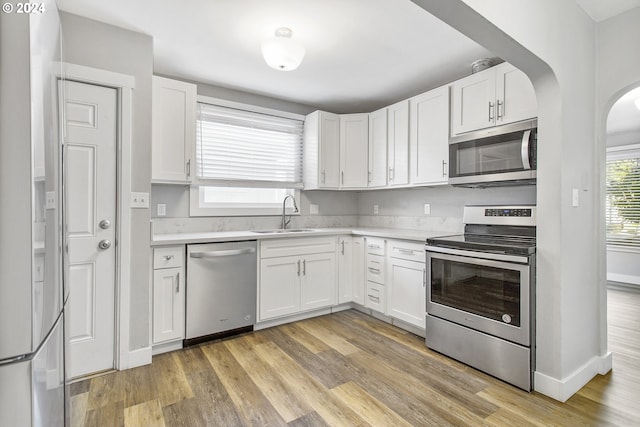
<point>98,45</point>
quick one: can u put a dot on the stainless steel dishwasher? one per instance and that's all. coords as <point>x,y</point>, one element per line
<point>221,290</point>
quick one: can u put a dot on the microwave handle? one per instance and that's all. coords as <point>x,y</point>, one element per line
<point>524,151</point>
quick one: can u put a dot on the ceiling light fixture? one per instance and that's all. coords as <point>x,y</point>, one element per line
<point>637,102</point>
<point>281,51</point>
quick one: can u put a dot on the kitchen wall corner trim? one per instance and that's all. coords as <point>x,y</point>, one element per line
<point>125,85</point>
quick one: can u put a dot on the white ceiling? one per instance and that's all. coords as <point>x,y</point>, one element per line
<point>360,54</point>
<point>599,10</point>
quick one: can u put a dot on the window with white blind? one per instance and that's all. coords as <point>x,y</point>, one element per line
<point>623,197</point>
<point>246,161</point>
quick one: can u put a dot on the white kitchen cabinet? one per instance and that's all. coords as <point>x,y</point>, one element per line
<point>168,294</point>
<point>405,282</point>
<point>375,292</point>
<point>345,269</point>
<point>398,143</point>
<point>429,137</point>
<point>358,266</point>
<point>173,130</point>
<point>321,151</point>
<point>354,142</point>
<point>296,275</point>
<point>499,95</point>
<point>377,173</point>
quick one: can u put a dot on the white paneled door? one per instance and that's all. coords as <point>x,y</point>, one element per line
<point>90,163</point>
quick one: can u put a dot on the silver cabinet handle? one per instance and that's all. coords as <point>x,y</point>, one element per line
<point>178,282</point>
<point>342,247</point>
<point>374,246</point>
<point>324,176</point>
<point>104,224</point>
<point>189,168</point>
<point>405,251</point>
<point>390,174</point>
<point>490,111</point>
<point>216,254</point>
<point>500,114</point>
<point>373,298</point>
<point>524,150</point>
<point>342,177</point>
<point>104,244</point>
<point>444,168</point>
<point>424,277</point>
<point>374,270</point>
<point>369,177</point>
<point>168,257</point>
<point>298,267</point>
<point>304,267</point>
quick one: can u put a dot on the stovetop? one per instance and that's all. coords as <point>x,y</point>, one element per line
<point>513,245</point>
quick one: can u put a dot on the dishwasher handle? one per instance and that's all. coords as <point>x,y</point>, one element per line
<point>216,254</point>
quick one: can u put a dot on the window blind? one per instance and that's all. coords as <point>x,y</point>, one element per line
<point>237,145</point>
<point>623,202</point>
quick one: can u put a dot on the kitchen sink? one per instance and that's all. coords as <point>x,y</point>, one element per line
<point>282,231</point>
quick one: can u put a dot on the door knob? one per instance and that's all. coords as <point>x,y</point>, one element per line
<point>104,244</point>
<point>104,224</point>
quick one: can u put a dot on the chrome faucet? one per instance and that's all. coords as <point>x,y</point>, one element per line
<point>295,206</point>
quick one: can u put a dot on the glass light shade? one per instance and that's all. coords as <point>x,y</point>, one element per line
<point>281,52</point>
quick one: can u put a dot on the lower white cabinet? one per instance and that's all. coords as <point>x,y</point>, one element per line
<point>297,280</point>
<point>406,287</point>
<point>168,294</point>
<point>375,295</point>
<point>357,270</point>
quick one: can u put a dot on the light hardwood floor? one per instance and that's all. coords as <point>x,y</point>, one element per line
<point>348,369</point>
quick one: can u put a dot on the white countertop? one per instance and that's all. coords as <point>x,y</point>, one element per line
<point>231,236</point>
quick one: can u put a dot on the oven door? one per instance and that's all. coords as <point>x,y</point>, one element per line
<point>487,295</point>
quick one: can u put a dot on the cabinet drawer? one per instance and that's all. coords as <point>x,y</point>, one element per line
<point>297,246</point>
<point>406,250</point>
<point>375,246</point>
<point>375,268</point>
<point>375,298</point>
<point>168,257</point>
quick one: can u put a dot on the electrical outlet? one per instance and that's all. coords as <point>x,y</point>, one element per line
<point>427,209</point>
<point>139,200</point>
<point>375,209</point>
<point>50,202</point>
<point>162,209</point>
<point>313,209</point>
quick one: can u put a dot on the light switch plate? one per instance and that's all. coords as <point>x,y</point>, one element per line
<point>427,209</point>
<point>139,200</point>
<point>375,209</point>
<point>162,209</point>
<point>50,202</point>
<point>313,209</point>
<point>575,197</point>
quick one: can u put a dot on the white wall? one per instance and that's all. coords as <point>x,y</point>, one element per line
<point>554,42</point>
<point>618,72</point>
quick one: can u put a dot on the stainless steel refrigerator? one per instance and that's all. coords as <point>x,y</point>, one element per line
<point>32,292</point>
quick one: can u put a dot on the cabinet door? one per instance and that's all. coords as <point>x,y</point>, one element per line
<point>429,137</point>
<point>398,143</point>
<point>516,98</point>
<point>168,304</point>
<point>279,287</point>
<point>473,102</point>
<point>354,142</point>
<point>378,148</point>
<point>357,272</point>
<point>173,130</point>
<point>406,291</point>
<point>318,281</point>
<point>345,269</point>
<point>329,167</point>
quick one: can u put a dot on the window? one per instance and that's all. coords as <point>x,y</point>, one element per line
<point>246,161</point>
<point>623,197</point>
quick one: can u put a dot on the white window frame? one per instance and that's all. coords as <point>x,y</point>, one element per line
<point>197,209</point>
<point>620,153</point>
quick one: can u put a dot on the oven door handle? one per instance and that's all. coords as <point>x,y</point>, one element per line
<point>479,255</point>
<point>524,150</point>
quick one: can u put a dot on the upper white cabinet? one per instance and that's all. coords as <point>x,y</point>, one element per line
<point>321,150</point>
<point>499,95</point>
<point>377,174</point>
<point>173,130</point>
<point>354,141</point>
<point>398,143</point>
<point>429,137</point>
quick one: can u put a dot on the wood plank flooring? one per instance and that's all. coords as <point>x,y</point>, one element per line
<point>348,369</point>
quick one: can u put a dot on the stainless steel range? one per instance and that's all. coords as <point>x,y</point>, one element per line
<point>481,292</point>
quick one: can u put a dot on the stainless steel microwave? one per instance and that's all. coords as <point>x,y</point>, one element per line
<point>503,155</point>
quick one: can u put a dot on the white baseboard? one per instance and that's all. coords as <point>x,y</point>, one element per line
<point>623,278</point>
<point>564,388</point>
<point>166,347</point>
<point>139,357</point>
<point>288,319</point>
